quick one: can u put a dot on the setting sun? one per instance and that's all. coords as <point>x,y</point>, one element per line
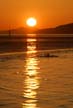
<point>31,22</point>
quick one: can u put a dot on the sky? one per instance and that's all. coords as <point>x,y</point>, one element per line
<point>49,13</point>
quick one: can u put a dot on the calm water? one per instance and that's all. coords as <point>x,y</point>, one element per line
<point>30,79</point>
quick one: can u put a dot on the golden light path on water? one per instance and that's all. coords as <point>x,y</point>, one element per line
<point>31,81</point>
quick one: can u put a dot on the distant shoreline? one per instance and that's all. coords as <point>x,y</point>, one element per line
<point>61,29</point>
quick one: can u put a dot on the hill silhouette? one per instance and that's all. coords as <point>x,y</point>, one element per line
<point>62,29</point>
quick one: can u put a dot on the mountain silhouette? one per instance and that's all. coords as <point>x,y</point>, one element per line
<point>62,29</point>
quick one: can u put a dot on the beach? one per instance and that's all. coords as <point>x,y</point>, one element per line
<point>28,80</point>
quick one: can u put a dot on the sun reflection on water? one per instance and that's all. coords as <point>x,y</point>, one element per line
<point>32,80</point>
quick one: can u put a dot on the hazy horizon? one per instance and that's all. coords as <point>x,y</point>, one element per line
<point>27,28</point>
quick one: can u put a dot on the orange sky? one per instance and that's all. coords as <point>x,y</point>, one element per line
<point>49,13</point>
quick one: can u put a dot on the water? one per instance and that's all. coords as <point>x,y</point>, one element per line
<point>30,80</point>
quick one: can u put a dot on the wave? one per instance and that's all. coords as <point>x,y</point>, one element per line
<point>40,53</point>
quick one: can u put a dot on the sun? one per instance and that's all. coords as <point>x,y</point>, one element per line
<point>31,22</point>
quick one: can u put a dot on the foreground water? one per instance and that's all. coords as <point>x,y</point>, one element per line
<point>33,80</point>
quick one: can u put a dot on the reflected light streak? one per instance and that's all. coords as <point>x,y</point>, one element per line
<point>31,35</point>
<point>31,47</point>
<point>31,81</point>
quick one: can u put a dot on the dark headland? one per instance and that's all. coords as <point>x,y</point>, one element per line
<point>62,29</point>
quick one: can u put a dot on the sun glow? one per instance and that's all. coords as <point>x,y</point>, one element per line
<point>31,22</point>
